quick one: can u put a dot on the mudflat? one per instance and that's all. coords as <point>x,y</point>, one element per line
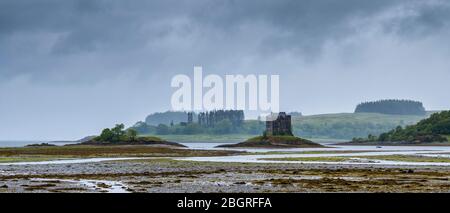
<point>167,175</point>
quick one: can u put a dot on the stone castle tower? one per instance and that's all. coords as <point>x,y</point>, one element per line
<point>278,124</point>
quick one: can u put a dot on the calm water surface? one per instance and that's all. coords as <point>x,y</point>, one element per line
<point>431,151</point>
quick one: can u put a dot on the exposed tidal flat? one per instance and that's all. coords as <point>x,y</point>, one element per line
<point>203,168</point>
<point>166,175</point>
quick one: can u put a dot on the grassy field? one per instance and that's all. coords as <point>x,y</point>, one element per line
<point>402,158</point>
<point>27,154</point>
<point>410,158</point>
<point>325,159</point>
<point>35,158</point>
<point>309,152</point>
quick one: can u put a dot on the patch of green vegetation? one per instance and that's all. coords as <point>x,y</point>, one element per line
<point>410,158</point>
<point>166,117</point>
<point>308,152</point>
<point>324,159</point>
<point>107,151</point>
<point>16,159</point>
<point>118,134</point>
<point>350,125</point>
<point>425,131</point>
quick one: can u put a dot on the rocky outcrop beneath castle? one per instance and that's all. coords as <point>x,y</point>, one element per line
<point>274,142</point>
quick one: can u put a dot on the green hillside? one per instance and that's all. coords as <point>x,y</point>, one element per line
<point>436,128</point>
<point>350,125</point>
<point>166,118</point>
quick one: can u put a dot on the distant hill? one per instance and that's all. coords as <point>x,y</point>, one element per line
<point>392,107</point>
<point>166,118</point>
<point>436,128</point>
<point>350,125</point>
<point>295,114</point>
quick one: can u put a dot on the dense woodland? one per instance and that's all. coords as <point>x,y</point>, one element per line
<point>118,134</point>
<point>394,107</point>
<point>436,128</point>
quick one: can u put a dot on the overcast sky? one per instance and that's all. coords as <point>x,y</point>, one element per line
<point>70,68</point>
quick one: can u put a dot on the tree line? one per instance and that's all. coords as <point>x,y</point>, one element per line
<point>395,107</point>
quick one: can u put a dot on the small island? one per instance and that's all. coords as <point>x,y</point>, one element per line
<point>119,136</point>
<point>434,130</point>
<point>278,134</point>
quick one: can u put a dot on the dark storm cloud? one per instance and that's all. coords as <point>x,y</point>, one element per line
<point>422,20</point>
<point>301,25</point>
<point>56,54</point>
<point>77,27</point>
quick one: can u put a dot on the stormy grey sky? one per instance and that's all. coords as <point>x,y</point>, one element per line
<point>70,68</point>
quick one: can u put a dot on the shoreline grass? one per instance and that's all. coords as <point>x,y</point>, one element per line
<point>18,159</point>
<point>312,152</point>
<point>84,151</point>
<point>410,158</point>
<point>325,159</point>
<point>399,158</point>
